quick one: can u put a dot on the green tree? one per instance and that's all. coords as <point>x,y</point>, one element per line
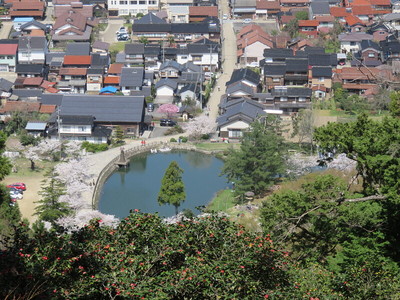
<point>143,40</point>
<point>260,159</point>
<point>172,189</point>
<point>292,28</point>
<point>50,208</point>
<point>119,135</point>
<point>301,15</point>
<point>394,105</point>
<point>353,104</point>
<point>5,165</point>
<point>16,123</point>
<point>303,126</point>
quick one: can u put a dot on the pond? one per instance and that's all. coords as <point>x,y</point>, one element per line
<point>137,186</point>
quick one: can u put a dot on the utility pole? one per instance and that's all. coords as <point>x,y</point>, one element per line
<point>59,128</point>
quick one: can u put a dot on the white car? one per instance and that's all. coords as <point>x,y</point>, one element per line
<point>16,195</point>
<point>247,20</point>
<point>122,30</point>
<point>225,17</point>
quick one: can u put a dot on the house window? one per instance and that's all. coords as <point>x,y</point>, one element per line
<point>352,43</point>
<point>321,79</point>
<point>151,2</point>
<point>235,133</point>
<point>10,57</point>
<point>2,57</point>
<point>196,58</point>
<point>302,99</point>
<point>371,55</point>
<point>283,99</point>
<point>184,57</point>
<point>81,129</point>
<point>133,2</point>
<point>142,2</point>
<point>275,80</point>
<point>66,128</point>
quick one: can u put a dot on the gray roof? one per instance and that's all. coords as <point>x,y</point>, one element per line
<point>191,67</point>
<point>137,48</point>
<point>354,37</point>
<point>95,71</point>
<point>320,8</point>
<point>291,92</point>
<point>322,72</point>
<point>244,74</point>
<point>247,110</point>
<point>99,60</point>
<point>132,77</point>
<point>145,92</point>
<point>27,93</point>
<point>239,86</point>
<point>5,85</point>
<point>32,42</point>
<point>168,82</point>
<point>101,45</point>
<point>189,87</point>
<point>52,99</point>
<point>34,23</point>
<point>36,125</point>
<point>369,44</point>
<point>78,49</point>
<point>54,55</point>
<point>150,19</point>
<point>190,77</point>
<point>105,109</point>
<point>171,64</point>
<point>274,69</point>
<point>29,68</point>
<point>76,119</point>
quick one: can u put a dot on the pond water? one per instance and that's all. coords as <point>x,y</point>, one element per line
<point>137,186</point>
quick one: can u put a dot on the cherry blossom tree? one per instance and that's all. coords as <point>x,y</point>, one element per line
<point>33,156</point>
<point>199,126</point>
<point>82,218</point>
<point>168,109</point>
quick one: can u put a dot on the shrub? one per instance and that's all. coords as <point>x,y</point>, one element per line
<point>27,139</point>
<point>172,140</point>
<point>205,137</point>
<point>184,139</point>
<point>90,147</point>
<point>174,130</point>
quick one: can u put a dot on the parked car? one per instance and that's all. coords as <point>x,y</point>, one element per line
<point>167,122</point>
<point>247,20</point>
<point>16,195</point>
<point>225,17</point>
<point>18,186</point>
<point>150,107</point>
<point>122,30</point>
<point>123,37</point>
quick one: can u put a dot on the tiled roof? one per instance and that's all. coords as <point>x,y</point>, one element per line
<point>308,23</point>
<point>31,6</point>
<point>295,1</point>
<point>12,106</point>
<point>380,2</point>
<point>203,11</point>
<point>265,4</point>
<point>352,20</point>
<point>325,18</point>
<point>37,32</point>
<point>286,19</point>
<point>52,90</point>
<point>111,80</point>
<point>73,71</point>
<point>115,68</point>
<point>47,108</point>
<point>338,12</point>
<point>24,13</point>
<point>77,60</point>
<point>8,49</point>
<point>33,81</point>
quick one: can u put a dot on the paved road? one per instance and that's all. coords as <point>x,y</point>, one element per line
<point>109,35</point>
<point>5,29</point>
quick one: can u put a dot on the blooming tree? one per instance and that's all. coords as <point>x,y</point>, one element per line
<point>82,218</point>
<point>168,109</point>
<point>199,126</point>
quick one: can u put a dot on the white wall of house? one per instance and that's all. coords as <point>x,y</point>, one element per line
<point>93,87</point>
<point>7,63</point>
<point>32,56</point>
<point>350,46</point>
<point>255,50</point>
<point>133,7</point>
<point>238,94</point>
<point>234,129</point>
<point>204,59</point>
<point>76,129</point>
<point>90,139</point>
<point>165,91</point>
<point>189,94</point>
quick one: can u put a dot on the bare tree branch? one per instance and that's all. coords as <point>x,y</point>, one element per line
<point>373,197</point>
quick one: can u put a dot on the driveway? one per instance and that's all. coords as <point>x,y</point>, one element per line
<point>5,29</point>
<point>109,35</point>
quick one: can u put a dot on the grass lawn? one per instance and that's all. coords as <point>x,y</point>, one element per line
<point>222,202</point>
<point>217,146</point>
<point>118,46</point>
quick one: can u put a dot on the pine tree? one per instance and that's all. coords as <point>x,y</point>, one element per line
<point>172,187</point>
<point>50,207</point>
<point>119,135</point>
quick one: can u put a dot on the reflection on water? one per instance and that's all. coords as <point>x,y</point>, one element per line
<point>137,186</point>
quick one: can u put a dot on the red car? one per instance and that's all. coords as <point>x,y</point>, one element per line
<point>18,185</point>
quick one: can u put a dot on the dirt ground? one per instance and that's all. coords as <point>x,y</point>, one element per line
<point>27,203</point>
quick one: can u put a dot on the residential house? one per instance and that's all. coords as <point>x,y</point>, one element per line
<point>200,13</point>
<point>340,14</point>
<point>100,47</point>
<point>326,23</point>
<point>29,27</point>
<point>110,111</point>
<point>392,21</point>
<point>62,7</point>
<point>379,31</point>
<point>31,70</point>
<point>274,75</point>
<point>237,116</point>
<point>309,28</point>
<point>277,55</point>
<point>170,69</point>
<point>129,7</point>
<point>357,79</point>
<point>267,9</point>
<point>151,55</point>
<point>390,49</point>
<point>243,8</point>
<point>239,89</point>
<point>354,24</point>
<point>82,48</point>
<point>5,88</point>
<point>8,57</point>
<point>296,71</point>
<point>72,26</point>
<point>27,8</point>
<point>290,99</point>
<point>166,88</point>
<point>72,79</point>
<point>36,128</point>
<point>28,95</point>
<point>132,79</point>
<point>189,91</point>
<point>134,54</point>
<point>54,61</point>
<point>245,76</point>
<point>350,42</point>
<point>32,50</point>
<point>369,55</point>
<point>94,80</point>
<point>115,69</point>
<point>288,4</point>
<point>18,22</point>
<point>206,56</point>
<point>178,14</point>
<point>318,9</point>
<point>11,107</point>
<point>321,76</point>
